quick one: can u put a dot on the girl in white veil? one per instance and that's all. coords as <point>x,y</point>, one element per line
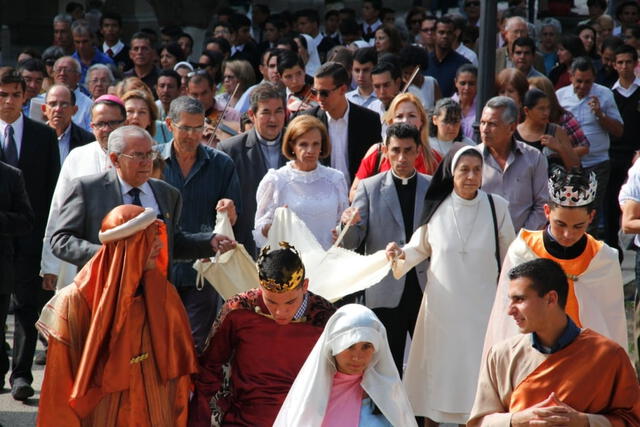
<point>349,379</point>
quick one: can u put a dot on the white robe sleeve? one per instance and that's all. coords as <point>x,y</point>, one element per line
<point>417,250</point>
<point>267,198</point>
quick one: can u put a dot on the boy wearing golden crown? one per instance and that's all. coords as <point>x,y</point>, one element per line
<point>264,335</point>
<point>595,299</point>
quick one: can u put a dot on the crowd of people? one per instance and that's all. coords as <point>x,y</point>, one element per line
<point>503,299</point>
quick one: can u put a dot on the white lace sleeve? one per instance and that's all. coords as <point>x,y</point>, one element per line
<point>343,199</point>
<point>267,198</point>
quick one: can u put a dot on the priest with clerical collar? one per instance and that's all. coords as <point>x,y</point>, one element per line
<point>265,335</point>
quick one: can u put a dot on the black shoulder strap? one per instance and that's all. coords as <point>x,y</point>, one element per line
<point>378,159</point>
<point>495,231</point>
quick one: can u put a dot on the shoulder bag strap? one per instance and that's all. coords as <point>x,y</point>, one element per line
<point>495,231</point>
<point>378,159</point>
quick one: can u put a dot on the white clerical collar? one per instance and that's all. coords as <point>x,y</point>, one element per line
<point>405,181</point>
<point>265,141</point>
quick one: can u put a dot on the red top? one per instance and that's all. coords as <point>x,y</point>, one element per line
<point>368,164</point>
<point>265,359</point>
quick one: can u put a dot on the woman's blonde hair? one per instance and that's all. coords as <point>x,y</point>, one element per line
<point>298,127</point>
<point>430,161</point>
<point>153,110</point>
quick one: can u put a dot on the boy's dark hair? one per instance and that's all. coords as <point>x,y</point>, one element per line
<point>384,66</point>
<point>334,70</point>
<point>545,275</point>
<point>288,59</point>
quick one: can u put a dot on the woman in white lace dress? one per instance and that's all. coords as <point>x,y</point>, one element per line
<point>316,193</point>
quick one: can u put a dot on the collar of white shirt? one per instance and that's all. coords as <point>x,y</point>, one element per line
<point>18,127</point>
<point>626,92</point>
<point>125,187</point>
<point>116,48</point>
<point>344,117</point>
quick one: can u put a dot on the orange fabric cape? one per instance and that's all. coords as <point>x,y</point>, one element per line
<point>108,283</point>
<point>581,375</point>
<point>572,267</point>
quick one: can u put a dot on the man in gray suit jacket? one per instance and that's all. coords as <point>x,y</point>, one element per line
<point>387,208</point>
<point>90,198</point>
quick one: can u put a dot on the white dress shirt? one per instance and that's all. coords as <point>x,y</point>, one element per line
<point>82,117</point>
<point>339,137</point>
<point>468,53</point>
<point>18,130</point>
<point>598,137</point>
<point>147,198</point>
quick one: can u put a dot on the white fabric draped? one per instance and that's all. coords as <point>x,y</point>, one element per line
<point>308,398</point>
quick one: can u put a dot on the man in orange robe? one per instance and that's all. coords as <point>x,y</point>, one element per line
<point>120,347</point>
<point>553,373</point>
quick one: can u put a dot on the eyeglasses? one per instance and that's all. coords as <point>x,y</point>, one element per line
<point>189,128</point>
<point>64,70</point>
<point>111,124</point>
<point>96,81</point>
<point>141,157</point>
<point>322,93</point>
<point>62,104</point>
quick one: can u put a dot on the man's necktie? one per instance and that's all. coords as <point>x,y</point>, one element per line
<point>135,194</point>
<point>9,150</point>
<point>110,53</point>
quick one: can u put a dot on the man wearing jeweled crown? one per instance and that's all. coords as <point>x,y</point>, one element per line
<point>264,335</point>
<point>595,299</point>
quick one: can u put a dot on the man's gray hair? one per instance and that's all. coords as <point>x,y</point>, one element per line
<point>508,107</point>
<point>184,104</point>
<point>81,28</point>
<point>63,17</point>
<point>96,67</point>
<point>514,19</point>
<point>118,138</point>
<point>76,63</point>
<point>265,91</point>
<point>550,22</point>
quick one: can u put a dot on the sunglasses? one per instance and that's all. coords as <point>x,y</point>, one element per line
<point>322,93</point>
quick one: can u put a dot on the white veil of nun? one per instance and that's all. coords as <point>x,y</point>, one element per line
<point>308,397</point>
<point>314,59</point>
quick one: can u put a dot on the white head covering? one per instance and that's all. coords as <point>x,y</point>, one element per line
<point>314,59</point>
<point>308,397</point>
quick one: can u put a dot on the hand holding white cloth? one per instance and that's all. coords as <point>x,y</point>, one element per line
<point>229,273</point>
<point>332,274</point>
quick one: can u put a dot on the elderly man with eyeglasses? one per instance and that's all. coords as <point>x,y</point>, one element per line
<point>108,114</point>
<point>208,182</point>
<point>67,71</point>
<point>90,198</point>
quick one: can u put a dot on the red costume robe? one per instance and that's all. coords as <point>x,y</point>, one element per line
<point>264,358</point>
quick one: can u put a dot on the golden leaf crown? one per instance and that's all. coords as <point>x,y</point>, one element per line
<point>273,285</point>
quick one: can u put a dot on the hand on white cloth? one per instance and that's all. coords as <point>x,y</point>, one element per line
<point>222,243</point>
<point>350,216</point>
<point>393,252</point>
<point>227,205</point>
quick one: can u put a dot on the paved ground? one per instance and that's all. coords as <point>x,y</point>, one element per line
<point>12,412</point>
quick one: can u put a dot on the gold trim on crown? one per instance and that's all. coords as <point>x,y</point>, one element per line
<point>294,281</point>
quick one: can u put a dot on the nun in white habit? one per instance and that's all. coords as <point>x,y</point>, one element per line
<point>465,233</point>
<point>349,378</point>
